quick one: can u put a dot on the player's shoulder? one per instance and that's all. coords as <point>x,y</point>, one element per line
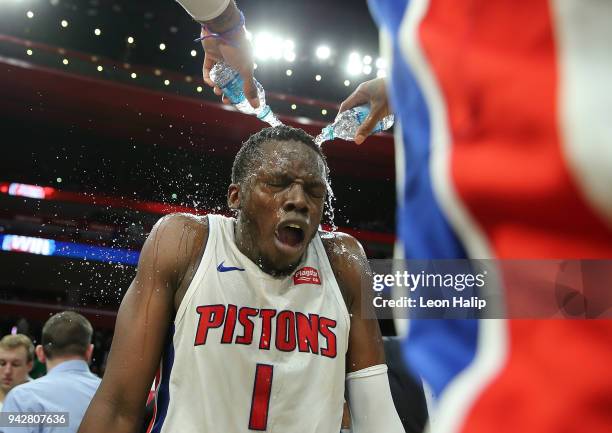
<point>342,248</point>
<point>348,261</point>
<point>174,233</point>
<point>180,221</point>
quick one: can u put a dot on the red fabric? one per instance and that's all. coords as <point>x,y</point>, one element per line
<point>496,64</point>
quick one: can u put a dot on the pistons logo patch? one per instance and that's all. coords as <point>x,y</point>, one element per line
<point>306,275</point>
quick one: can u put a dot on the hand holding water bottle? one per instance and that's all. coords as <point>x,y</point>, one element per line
<point>224,40</point>
<point>374,93</point>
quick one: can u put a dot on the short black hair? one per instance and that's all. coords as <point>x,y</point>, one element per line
<point>66,334</point>
<point>251,149</point>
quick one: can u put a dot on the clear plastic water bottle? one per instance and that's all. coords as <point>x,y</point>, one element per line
<point>231,83</point>
<point>346,124</point>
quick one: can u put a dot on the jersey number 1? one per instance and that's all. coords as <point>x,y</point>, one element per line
<point>261,397</point>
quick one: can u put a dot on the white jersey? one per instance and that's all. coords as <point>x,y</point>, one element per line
<point>250,352</point>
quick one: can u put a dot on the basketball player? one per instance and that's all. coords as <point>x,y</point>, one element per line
<point>257,321</point>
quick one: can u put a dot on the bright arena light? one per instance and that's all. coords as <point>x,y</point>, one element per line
<point>100,68</point>
<point>355,65</point>
<point>199,89</point>
<point>166,82</point>
<point>323,52</point>
<point>318,77</point>
<point>293,106</point>
<point>194,53</point>
<point>130,40</point>
<point>29,52</point>
<point>324,112</point>
<point>162,46</point>
<point>64,23</point>
<point>268,46</point>
<point>367,69</point>
<point>97,32</point>
<point>381,73</point>
<point>347,83</point>
<point>65,61</point>
<point>133,75</point>
<point>367,60</point>
<point>30,14</point>
<point>380,63</point>
<point>289,72</point>
<point>290,56</point>
<point>289,45</point>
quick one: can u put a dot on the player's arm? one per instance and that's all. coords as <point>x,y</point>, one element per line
<point>369,394</point>
<point>142,326</point>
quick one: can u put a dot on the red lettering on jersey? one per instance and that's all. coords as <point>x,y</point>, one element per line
<point>211,316</point>
<point>230,324</point>
<point>307,332</point>
<point>324,326</point>
<point>244,316</point>
<point>266,327</point>
<point>306,275</point>
<point>285,331</point>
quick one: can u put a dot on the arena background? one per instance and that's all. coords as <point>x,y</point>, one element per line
<point>106,125</point>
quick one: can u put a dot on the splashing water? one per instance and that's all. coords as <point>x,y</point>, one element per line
<point>328,210</point>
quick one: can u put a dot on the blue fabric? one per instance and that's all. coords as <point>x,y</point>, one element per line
<point>436,350</point>
<point>163,397</point>
<point>68,387</point>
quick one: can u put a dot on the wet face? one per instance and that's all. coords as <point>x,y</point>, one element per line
<point>14,367</point>
<point>281,205</point>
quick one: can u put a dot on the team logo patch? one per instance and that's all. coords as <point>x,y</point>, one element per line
<point>306,275</point>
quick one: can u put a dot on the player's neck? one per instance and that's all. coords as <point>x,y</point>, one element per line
<point>247,246</point>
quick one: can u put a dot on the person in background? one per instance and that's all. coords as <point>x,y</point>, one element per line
<point>503,150</point>
<point>69,385</point>
<point>16,358</point>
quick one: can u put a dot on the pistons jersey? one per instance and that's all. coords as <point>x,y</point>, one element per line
<point>251,352</point>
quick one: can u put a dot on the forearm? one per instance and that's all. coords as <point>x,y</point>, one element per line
<point>371,403</point>
<point>103,416</point>
<point>219,15</point>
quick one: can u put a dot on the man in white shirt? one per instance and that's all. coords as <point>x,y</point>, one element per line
<point>16,358</point>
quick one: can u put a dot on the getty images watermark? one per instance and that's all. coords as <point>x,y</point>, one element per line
<point>411,282</point>
<point>472,289</point>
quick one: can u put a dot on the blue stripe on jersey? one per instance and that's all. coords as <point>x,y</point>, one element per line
<point>436,349</point>
<point>163,396</point>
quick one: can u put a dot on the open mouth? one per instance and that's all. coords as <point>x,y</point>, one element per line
<point>290,235</point>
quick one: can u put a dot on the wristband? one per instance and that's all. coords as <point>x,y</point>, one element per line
<point>226,36</point>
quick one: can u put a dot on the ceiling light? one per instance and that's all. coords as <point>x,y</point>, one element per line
<point>323,52</point>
